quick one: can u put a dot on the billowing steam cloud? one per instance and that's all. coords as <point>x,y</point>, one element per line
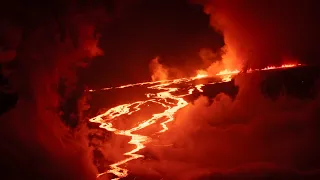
<point>158,71</point>
<point>261,33</point>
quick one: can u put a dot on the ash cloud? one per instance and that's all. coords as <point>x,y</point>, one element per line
<point>262,33</point>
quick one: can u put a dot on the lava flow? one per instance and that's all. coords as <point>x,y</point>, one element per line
<point>166,96</point>
<point>162,97</point>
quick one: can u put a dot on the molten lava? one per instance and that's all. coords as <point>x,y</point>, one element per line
<point>105,120</point>
<point>166,97</point>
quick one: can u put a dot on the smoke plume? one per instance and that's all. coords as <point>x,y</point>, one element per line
<point>46,46</point>
<point>158,71</point>
<point>208,56</point>
<point>262,33</point>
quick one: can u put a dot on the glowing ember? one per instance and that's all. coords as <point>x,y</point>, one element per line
<point>201,74</point>
<point>226,78</point>
<point>165,97</point>
<point>227,72</point>
<point>279,67</point>
<point>199,86</point>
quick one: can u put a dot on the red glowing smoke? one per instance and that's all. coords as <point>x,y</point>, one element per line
<point>262,33</point>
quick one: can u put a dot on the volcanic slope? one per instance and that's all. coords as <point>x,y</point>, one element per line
<point>298,82</point>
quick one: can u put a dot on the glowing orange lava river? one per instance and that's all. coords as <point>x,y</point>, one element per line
<point>165,96</point>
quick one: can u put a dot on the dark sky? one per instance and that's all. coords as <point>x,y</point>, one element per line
<point>174,30</point>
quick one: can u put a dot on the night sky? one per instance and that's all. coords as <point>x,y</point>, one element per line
<point>174,30</point>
